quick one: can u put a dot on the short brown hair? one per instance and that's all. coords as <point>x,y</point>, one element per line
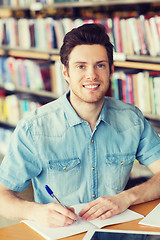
<point>86,34</point>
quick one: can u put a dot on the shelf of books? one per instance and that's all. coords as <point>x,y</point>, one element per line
<point>31,35</point>
<point>141,89</point>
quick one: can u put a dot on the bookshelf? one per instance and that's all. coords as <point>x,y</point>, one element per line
<point>78,12</point>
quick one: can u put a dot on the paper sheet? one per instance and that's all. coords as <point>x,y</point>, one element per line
<point>80,225</point>
<point>153,218</point>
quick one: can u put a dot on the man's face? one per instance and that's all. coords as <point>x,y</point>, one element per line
<point>88,73</point>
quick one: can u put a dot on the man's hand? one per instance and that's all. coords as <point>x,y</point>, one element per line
<point>104,207</point>
<point>49,215</point>
<point>54,215</point>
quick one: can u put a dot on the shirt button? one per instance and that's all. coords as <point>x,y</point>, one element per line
<point>64,168</point>
<point>92,140</point>
<point>93,195</point>
<point>122,163</point>
<point>93,168</point>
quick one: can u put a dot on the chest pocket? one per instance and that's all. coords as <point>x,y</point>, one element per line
<point>64,165</point>
<point>117,170</point>
<point>64,176</point>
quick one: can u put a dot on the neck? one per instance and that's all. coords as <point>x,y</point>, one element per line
<point>87,111</point>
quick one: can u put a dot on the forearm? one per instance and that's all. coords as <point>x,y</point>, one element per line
<point>13,207</point>
<point>144,192</point>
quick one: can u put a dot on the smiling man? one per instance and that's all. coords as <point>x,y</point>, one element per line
<point>88,77</point>
<point>83,145</point>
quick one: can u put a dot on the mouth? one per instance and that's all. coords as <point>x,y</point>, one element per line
<point>91,86</point>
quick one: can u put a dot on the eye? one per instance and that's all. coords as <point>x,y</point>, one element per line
<point>101,65</point>
<point>80,66</point>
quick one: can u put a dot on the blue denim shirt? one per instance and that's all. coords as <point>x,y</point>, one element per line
<point>54,146</point>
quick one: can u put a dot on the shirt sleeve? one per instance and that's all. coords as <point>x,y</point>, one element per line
<point>149,145</point>
<point>20,164</point>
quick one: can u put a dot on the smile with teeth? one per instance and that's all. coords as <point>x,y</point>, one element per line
<point>91,86</point>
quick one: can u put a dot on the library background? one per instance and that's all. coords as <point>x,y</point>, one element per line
<point>31,33</point>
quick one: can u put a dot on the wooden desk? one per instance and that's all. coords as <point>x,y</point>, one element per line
<point>21,231</point>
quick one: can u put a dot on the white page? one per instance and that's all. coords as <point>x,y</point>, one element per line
<point>81,226</point>
<point>153,218</point>
<point>56,233</point>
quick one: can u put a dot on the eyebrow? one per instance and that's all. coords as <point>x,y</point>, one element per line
<point>86,62</point>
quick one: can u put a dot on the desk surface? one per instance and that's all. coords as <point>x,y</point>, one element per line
<point>22,231</point>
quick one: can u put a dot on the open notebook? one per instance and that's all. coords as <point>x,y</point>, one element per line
<point>81,225</point>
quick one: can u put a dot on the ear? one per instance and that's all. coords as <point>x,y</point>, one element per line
<point>65,72</point>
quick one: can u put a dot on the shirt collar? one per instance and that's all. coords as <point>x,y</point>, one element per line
<point>103,115</point>
<point>69,111</point>
<point>75,119</point>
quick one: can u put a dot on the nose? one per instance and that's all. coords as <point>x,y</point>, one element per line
<point>91,73</point>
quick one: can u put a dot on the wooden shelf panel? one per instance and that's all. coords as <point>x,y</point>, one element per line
<point>22,90</point>
<point>2,52</point>
<point>137,65</point>
<point>152,116</point>
<point>31,53</point>
<point>7,125</point>
<point>35,55</point>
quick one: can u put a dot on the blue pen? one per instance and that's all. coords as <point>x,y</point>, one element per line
<point>52,195</point>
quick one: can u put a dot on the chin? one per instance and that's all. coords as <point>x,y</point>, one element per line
<point>94,100</point>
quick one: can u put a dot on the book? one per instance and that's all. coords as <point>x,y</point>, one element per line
<point>123,31</point>
<point>130,89</point>
<point>154,32</point>
<point>141,37</point>
<point>143,28</point>
<point>41,33</point>
<point>157,19</point>
<point>1,31</point>
<point>151,47</point>
<point>80,225</point>
<point>156,80</point>
<point>147,93</point>
<point>58,83</point>
<point>24,33</point>
<point>117,34</point>
<point>129,42</point>
<point>134,35</point>
<point>109,27</point>
<point>31,32</point>
<point>49,36</point>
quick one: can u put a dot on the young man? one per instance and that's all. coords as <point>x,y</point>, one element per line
<point>82,145</point>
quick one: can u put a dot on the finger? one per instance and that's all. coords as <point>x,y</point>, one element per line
<point>71,209</point>
<point>87,207</point>
<point>93,212</point>
<point>98,212</point>
<point>58,220</point>
<point>66,211</point>
<point>61,216</point>
<point>107,214</point>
